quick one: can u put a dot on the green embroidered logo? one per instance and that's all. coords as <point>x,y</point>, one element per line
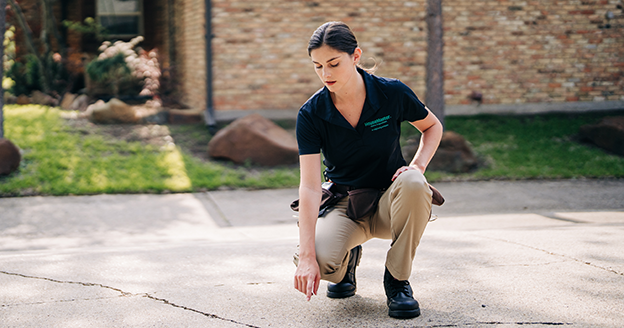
<point>379,123</point>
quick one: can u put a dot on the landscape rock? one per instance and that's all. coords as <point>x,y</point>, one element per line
<point>22,100</point>
<point>454,154</point>
<point>10,157</point>
<point>9,98</point>
<point>114,111</point>
<point>185,116</point>
<point>256,139</point>
<point>38,97</point>
<point>80,103</point>
<point>67,101</point>
<point>608,134</point>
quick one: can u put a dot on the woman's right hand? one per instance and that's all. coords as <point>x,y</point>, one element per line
<point>308,274</point>
<point>307,277</point>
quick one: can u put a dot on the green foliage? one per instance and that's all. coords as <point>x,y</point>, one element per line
<point>90,26</point>
<point>113,74</point>
<point>107,69</point>
<point>27,77</point>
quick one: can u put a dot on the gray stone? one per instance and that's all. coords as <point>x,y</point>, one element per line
<point>80,103</point>
<point>67,100</point>
<point>608,134</point>
<point>38,97</point>
<point>10,157</point>
<point>114,111</point>
<point>256,139</point>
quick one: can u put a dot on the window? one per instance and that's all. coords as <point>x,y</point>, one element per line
<point>121,18</point>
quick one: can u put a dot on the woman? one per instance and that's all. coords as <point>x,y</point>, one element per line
<point>355,121</point>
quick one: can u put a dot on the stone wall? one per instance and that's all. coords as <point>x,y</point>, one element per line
<point>509,51</point>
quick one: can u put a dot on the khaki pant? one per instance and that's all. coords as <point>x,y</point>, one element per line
<point>402,215</point>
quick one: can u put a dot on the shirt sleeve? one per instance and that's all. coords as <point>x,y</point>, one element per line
<point>413,108</point>
<point>308,138</point>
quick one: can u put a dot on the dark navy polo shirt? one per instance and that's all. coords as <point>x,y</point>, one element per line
<point>368,155</point>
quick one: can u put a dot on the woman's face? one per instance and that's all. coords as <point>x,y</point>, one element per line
<point>335,68</point>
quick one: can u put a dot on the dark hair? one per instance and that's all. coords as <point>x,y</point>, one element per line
<point>336,35</point>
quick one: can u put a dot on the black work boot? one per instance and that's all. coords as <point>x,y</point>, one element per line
<point>401,302</point>
<point>347,287</point>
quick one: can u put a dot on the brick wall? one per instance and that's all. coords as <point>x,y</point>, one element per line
<point>533,51</point>
<point>510,51</point>
<point>260,56</point>
<point>190,45</point>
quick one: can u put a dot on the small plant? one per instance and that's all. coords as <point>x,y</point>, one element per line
<point>8,58</point>
<point>90,26</point>
<point>120,67</point>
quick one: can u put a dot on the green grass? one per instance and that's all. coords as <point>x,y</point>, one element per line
<point>60,160</point>
<point>532,147</point>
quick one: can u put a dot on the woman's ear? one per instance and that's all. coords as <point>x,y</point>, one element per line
<point>357,55</point>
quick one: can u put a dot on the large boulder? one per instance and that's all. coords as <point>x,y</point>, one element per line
<point>114,111</point>
<point>608,134</point>
<point>256,139</point>
<point>454,154</point>
<point>10,157</point>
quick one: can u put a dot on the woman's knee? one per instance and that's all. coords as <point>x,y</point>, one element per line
<point>329,260</point>
<point>412,181</point>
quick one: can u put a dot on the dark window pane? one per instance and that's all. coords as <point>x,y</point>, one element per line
<point>118,6</point>
<point>120,24</point>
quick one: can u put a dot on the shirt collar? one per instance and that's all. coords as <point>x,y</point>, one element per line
<point>374,96</point>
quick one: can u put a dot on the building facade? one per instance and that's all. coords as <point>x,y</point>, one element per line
<point>507,51</point>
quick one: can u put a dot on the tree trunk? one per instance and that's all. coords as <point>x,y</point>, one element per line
<point>435,66</point>
<point>2,27</point>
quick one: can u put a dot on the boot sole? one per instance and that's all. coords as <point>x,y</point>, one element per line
<point>340,295</point>
<point>404,314</point>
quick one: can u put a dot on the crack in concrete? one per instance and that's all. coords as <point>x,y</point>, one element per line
<point>518,323</point>
<point>61,301</point>
<point>126,294</point>
<point>559,255</point>
<point>209,315</point>
<point>86,284</point>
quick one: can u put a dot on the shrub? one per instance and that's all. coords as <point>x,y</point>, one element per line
<point>120,67</point>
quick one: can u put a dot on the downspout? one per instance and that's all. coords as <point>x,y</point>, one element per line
<point>209,115</point>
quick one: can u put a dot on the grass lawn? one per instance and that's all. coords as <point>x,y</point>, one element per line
<point>61,159</point>
<point>543,146</point>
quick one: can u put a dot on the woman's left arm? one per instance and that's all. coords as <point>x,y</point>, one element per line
<point>431,130</point>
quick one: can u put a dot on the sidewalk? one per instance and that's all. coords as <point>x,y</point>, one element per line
<point>501,254</point>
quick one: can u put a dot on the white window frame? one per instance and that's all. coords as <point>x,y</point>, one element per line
<point>138,13</point>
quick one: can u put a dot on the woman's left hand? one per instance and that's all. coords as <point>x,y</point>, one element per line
<point>403,169</point>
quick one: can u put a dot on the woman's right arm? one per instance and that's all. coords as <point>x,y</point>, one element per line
<point>308,276</point>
